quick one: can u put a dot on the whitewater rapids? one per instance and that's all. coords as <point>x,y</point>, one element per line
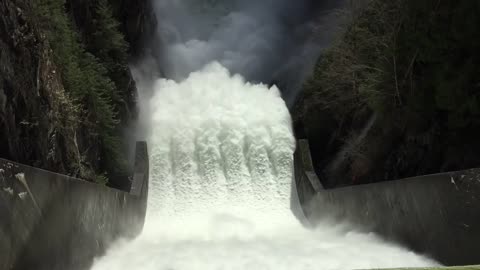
<point>221,176</point>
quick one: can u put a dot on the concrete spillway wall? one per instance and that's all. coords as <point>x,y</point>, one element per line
<point>469,267</point>
<point>436,215</point>
<point>51,221</point>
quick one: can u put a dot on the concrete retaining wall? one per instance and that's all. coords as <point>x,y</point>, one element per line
<point>51,221</point>
<point>436,215</point>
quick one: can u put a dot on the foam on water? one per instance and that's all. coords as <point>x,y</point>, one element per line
<point>221,159</point>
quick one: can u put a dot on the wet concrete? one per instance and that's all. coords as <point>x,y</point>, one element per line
<point>436,215</point>
<point>52,221</point>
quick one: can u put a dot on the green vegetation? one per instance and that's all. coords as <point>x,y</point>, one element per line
<point>91,80</point>
<point>109,45</point>
<point>415,65</point>
<point>418,57</point>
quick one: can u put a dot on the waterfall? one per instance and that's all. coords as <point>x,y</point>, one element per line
<point>221,175</point>
<point>217,141</point>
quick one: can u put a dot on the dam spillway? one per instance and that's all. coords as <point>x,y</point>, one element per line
<point>222,195</point>
<point>221,179</point>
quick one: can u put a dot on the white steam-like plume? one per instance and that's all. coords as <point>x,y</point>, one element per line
<point>269,41</point>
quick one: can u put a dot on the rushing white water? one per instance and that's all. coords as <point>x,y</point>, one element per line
<point>221,159</point>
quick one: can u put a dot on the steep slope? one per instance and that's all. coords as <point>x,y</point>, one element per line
<point>65,100</point>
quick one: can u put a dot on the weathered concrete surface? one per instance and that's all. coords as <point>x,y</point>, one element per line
<point>469,267</point>
<point>51,221</point>
<point>436,215</point>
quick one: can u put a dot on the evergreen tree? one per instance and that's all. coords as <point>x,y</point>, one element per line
<point>88,78</point>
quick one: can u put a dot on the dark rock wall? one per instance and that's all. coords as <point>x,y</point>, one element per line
<point>354,150</point>
<point>138,23</point>
<point>51,221</point>
<point>436,215</point>
<point>34,113</point>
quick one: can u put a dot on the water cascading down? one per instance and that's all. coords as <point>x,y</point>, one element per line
<point>221,175</point>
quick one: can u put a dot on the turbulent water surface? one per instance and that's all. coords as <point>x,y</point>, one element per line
<point>221,148</point>
<point>221,173</point>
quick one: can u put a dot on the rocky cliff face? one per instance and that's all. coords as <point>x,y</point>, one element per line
<point>136,22</point>
<point>37,121</point>
<point>40,124</point>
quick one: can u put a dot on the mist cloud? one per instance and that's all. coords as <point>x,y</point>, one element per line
<point>270,41</point>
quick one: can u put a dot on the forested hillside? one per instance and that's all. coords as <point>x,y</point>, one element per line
<point>397,94</point>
